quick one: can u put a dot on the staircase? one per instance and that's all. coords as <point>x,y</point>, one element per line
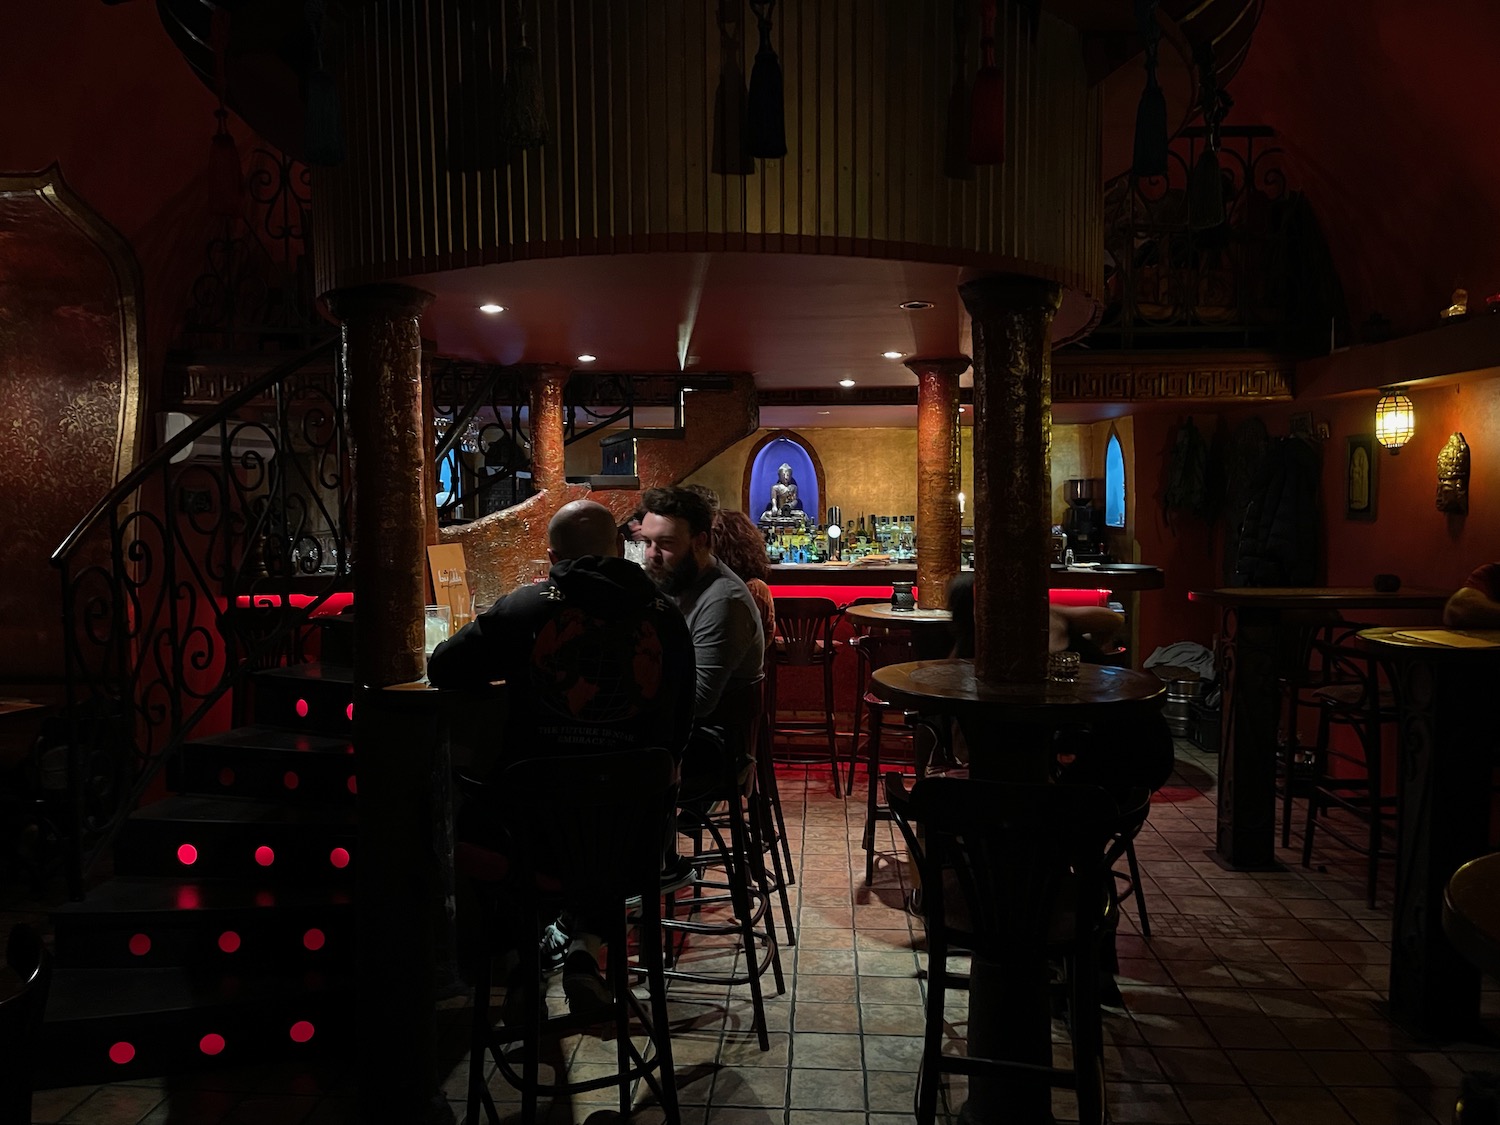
<point>225,935</point>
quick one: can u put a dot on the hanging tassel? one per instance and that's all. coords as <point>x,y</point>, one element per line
<point>226,176</point>
<point>1206,181</point>
<point>523,121</point>
<point>956,123</point>
<point>766,111</point>
<point>324,121</point>
<point>731,151</point>
<point>987,106</point>
<point>469,140</point>
<point>1151,136</point>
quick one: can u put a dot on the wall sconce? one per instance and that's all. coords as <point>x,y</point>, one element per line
<point>1395,419</point>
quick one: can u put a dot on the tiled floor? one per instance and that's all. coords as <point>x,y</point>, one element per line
<point>1258,1000</point>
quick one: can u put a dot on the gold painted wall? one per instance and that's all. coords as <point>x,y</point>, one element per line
<point>873,471</point>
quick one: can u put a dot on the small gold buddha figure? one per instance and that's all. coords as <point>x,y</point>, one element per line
<point>1453,475</point>
<point>1458,306</point>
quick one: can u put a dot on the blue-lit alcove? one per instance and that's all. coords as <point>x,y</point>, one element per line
<point>783,447</point>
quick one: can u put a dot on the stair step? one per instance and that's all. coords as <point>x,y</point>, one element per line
<point>316,698</point>
<point>223,837</point>
<point>210,925</point>
<point>267,762</point>
<point>113,1025</point>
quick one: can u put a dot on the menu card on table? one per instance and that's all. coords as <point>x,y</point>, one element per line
<point>450,582</point>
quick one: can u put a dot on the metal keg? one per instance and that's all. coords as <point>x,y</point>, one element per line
<point>1178,710</point>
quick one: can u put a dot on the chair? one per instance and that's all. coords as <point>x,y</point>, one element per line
<point>21,1022</point>
<point>586,830</point>
<point>738,835</point>
<point>1353,699</point>
<point>1308,673</point>
<point>804,639</point>
<point>1126,883</point>
<point>1026,863</point>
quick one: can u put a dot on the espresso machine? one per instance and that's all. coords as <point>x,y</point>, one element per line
<point>1084,523</point>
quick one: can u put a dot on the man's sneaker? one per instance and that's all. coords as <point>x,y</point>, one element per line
<point>554,947</point>
<point>585,989</point>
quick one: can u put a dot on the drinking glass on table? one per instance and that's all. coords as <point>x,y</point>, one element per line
<point>437,627</point>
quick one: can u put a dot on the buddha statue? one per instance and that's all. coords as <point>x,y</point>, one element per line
<point>784,502</point>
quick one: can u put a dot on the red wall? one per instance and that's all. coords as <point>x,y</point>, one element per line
<point>1409,536</point>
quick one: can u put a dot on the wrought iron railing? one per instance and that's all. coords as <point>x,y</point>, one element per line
<point>1260,278</point>
<point>205,562</point>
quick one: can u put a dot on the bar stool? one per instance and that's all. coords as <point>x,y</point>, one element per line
<point>804,628</point>
<point>586,830</point>
<point>874,651</point>
<point>1353,699</point>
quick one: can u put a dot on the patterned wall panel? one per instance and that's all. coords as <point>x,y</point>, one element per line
<point>69,398</point>
<point>641,155</point>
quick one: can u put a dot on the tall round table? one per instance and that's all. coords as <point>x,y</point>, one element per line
<point>931,629</point>
<point>1007,727</point>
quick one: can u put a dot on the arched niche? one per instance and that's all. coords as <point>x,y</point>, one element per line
<point>70,392</point>
<point>767,455</point>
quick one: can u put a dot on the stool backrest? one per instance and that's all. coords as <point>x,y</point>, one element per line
<point>594,822</point>
<point>1021,856</point>
<point>21,1021</point>
<point>803,624</point>
<point>876,650</point>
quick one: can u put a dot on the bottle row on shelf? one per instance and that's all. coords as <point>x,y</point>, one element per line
<point>808,541</point>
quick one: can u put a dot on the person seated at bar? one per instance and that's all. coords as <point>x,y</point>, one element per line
<point>722,617</point>
<point>739,545</point>
<point>1476,604</point>
<point>593,659</point>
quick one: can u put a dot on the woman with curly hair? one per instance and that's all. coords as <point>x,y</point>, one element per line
<point>739,545</point>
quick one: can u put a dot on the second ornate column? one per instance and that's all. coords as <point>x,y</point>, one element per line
<point>548,449</point>
<point>938,518</point>
<point>1012,321</point>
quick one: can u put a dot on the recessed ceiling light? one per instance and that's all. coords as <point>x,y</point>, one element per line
<point>825,412</point>
<point>961,409</point>
<point>892,355</point>
<point>913,306</point>
<point>491,308</point>
<point>846,382</point>
<point>586,358</point>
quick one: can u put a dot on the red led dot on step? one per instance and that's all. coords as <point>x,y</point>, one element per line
<point>339,857</point>
<point>140,944</point>
<point>211,1044</point>
<point>226,777</point>
<point>121,1053</point>
<point>229,941</point>
<point>301,708</point>
<point>301,1031</point>
<point>352,786</point>
<point>264,856</point>
<point>265,898</point>
<point>187,898</point>
<point>349,711</point>
<point>187,855</point>
<point>290,779</point>
<point>313,939</point>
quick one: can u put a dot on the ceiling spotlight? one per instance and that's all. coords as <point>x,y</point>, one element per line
<point>892,355</point>
<point>961,409</point>
<point>913,306</point>
<point>586,358</point>
<point>491,308</point>
<point>846,382</point>
<point>825,412</point>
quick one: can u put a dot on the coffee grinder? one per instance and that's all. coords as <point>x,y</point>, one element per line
<point>1084,524</point>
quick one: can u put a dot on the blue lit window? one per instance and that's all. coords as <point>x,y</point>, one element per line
<point>1114,482</point>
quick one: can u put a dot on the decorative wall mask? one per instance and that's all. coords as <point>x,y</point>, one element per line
<point>1453,475</point>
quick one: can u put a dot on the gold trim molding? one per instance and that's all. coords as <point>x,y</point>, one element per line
<point>1212,377</point>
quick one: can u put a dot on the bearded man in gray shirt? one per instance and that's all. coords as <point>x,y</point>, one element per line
<point>728,644</point>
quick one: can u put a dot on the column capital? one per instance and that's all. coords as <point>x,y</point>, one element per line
<point>545,370</point>
<point>1000,293</point>
<point>384,300</point>
<point>954,365</point>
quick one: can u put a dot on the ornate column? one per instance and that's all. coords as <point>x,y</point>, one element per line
<point>383,366</point>
<point>1012,317</point>
<point>938,519</point>
<point>548,453</point>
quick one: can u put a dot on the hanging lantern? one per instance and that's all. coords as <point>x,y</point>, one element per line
<point>987,102</point>
<point>1149,156</point>
<point>1395,419</point>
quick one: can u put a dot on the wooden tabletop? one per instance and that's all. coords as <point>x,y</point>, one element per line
<point>946,685</point>
<point>1323,597</point>
<point>879,613</point>
<point>1448,642</point>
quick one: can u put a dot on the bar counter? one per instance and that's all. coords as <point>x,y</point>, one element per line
<point>1123,577</point>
